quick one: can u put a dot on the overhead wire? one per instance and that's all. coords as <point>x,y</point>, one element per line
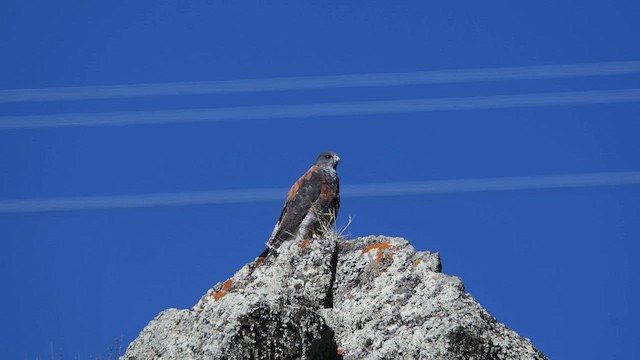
<point>321,109</point>
<point>300,111</point>
<point>320,82</point>
<point>347,191</point>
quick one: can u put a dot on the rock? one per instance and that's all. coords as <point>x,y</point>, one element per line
<point>369,298</point>
<point>392,302</point>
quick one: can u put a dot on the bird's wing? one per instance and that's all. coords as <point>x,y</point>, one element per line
<point>300,199</point>
<point>328,201</point>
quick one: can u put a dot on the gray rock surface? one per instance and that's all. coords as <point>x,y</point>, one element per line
<point>368,298</point>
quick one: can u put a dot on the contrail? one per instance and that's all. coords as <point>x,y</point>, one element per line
<point>347,191</point>
<point>326,109</point>
<point>321,82</point>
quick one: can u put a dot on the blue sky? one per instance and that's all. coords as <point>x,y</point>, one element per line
<point>556,265</point>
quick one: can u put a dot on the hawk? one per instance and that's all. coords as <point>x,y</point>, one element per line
<point>311,206</point>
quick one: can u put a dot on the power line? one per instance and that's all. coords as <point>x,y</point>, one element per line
<point>321,82</point>
<point>494,184</point>
<point>348,191</point>
<point>326,109</point>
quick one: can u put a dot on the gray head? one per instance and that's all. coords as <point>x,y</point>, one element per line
<point>328,159</point>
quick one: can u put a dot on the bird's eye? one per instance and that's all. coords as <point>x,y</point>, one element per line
<point>328,156</point>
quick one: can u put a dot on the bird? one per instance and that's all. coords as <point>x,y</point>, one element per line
<point>311,206</point>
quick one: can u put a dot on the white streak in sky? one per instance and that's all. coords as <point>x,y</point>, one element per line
<point>347,191</point>
<point>326,109</point>
<point>321,82</point>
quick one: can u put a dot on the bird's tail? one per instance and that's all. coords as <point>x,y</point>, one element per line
<point>272,248</point>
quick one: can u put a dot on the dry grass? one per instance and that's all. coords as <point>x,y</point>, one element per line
<point>330,230</point>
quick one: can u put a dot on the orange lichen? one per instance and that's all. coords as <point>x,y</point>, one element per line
<point>303,244</point>
<point>381,247</point>
<point>224,290</point>
<point>227,285</point>
<point>418,261</point>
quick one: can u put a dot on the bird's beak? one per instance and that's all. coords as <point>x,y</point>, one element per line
<point>337,158</point>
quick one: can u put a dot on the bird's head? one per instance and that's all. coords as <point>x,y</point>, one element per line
<point>328,159</point>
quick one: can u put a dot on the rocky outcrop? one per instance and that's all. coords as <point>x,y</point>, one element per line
<point>368,298</point>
